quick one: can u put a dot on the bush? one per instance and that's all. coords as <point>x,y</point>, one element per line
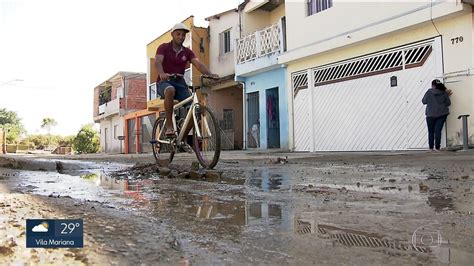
<point>87,140</point>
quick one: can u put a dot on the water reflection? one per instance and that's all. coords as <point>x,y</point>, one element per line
<point>356,238</point>
<point>267,180</point>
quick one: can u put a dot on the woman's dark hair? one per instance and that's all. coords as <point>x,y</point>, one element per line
<point>440,86</point>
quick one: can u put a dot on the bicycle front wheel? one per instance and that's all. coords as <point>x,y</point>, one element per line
<point>162,152</point>
<point>207,144</point>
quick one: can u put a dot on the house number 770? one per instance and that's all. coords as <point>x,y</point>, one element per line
<point>457,40</point>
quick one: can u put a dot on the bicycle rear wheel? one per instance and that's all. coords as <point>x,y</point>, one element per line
<point>162,152</point>
<point>208,145</point>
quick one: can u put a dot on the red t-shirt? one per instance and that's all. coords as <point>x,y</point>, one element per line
<point>174,63</point>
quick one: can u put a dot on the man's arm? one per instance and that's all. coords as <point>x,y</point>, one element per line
<point>201,67</point>
<point>159,67</point>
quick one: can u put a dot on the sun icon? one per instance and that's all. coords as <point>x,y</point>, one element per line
<point>45,224</point>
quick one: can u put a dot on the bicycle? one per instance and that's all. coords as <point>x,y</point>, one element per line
<point>205,137</point>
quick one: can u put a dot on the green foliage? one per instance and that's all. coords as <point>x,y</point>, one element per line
<point>39,142</point>
<point>11,123</point>
<point>87,140</point>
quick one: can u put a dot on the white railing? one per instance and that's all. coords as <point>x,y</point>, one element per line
<point>259,44</point>
<point>102,108</point>
<point>109,108</point>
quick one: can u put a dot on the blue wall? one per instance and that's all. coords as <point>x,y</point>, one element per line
<point>261,82</point>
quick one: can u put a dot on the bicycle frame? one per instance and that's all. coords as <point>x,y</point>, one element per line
<point>190,115</point>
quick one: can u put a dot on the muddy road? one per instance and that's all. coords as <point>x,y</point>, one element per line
<point>254,209</point>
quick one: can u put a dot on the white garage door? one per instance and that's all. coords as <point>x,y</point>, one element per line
<point>354,106</point>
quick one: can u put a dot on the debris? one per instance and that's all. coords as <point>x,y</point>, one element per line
<point>465,177</point>
<point>388,188</point>
<point>279,160</point>
<point>164,171</point>
<point>195,174</point>
<point>392,180</point>
<point>423,188</point>
<point>213,175</point>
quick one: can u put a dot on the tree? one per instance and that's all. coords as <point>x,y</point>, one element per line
<point>10,121</point>
<point>87,140</point>
<point>48,123</point>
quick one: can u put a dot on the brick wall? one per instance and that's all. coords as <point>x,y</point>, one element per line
<point>136,93</point>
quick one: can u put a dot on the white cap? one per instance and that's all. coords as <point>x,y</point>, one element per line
<point>180,26</point>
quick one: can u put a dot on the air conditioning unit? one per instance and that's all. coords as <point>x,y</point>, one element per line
<point>120,93</point>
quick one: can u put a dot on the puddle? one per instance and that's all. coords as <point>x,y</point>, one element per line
<point>440,202</point>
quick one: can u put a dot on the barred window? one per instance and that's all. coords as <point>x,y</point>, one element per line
<point>316,6</point>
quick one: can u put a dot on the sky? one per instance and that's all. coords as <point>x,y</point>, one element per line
<point>54,52</point>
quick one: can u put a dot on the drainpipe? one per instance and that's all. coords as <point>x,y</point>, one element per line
<point>244,112</point>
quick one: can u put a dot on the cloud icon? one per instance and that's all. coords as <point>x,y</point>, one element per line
<point>43,227</point>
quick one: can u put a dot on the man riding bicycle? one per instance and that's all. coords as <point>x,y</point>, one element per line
<point>171,59</point>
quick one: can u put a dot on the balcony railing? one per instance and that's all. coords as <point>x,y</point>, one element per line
<point>260,44</point>
<point>109,108</point>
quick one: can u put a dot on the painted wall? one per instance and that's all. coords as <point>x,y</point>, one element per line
<point>315,38</point>
<point>229,98</point>
<point>113,144</point>
<point>257,19</point>
<point>223,64</point>
<point>457,57</point>
<point>260,83</point>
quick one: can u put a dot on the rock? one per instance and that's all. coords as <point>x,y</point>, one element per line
<point>423,188</point>
<point>196,174</point>
<point>410,188</point>
<point>465,177</point>
<point>388,188</point>
<point>392,180</point>
<point>195,166</point>
<point>183,175</point>
<point>173,174</point>
<point>164,171</point>
<point>213,175</point>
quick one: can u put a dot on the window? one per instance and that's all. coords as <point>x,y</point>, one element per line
<point>316,6</point>
<point>115,131</point>
<point>228,119</point>
<point>225,42</point>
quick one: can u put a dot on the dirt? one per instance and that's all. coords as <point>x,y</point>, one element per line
<point>267,208</point>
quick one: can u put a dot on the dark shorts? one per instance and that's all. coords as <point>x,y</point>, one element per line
<point>181,89</point>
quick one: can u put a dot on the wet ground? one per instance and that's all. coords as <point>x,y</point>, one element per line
<point>316,209</point>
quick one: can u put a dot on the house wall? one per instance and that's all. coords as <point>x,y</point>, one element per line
<point>229,98</point>
<point>262,82</point>
<point>223,64</point>
<point>113,144</point>
<point>384,17</point>
<point>135,94</point>
<point>458,57</point>
<point>199,35</point>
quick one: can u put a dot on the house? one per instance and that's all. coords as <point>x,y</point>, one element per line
<point>225,96</point>
<point>123,93</point>
<point>355,81</point>
<point>261,40</point>
<point>139,124</point>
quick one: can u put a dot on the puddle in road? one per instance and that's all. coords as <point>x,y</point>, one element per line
<point>237,215</point>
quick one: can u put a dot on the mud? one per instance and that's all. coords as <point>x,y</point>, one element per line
<point>357,209</point>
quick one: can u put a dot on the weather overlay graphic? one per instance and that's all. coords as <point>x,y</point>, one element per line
<point>54,233</point>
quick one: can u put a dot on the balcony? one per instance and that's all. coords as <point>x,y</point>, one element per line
<point>107,109</point>
<point>259,51</point>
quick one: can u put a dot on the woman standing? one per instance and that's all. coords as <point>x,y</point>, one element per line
<point>437,104</point>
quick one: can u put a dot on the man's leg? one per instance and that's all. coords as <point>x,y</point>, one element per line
<point>169,102</point>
